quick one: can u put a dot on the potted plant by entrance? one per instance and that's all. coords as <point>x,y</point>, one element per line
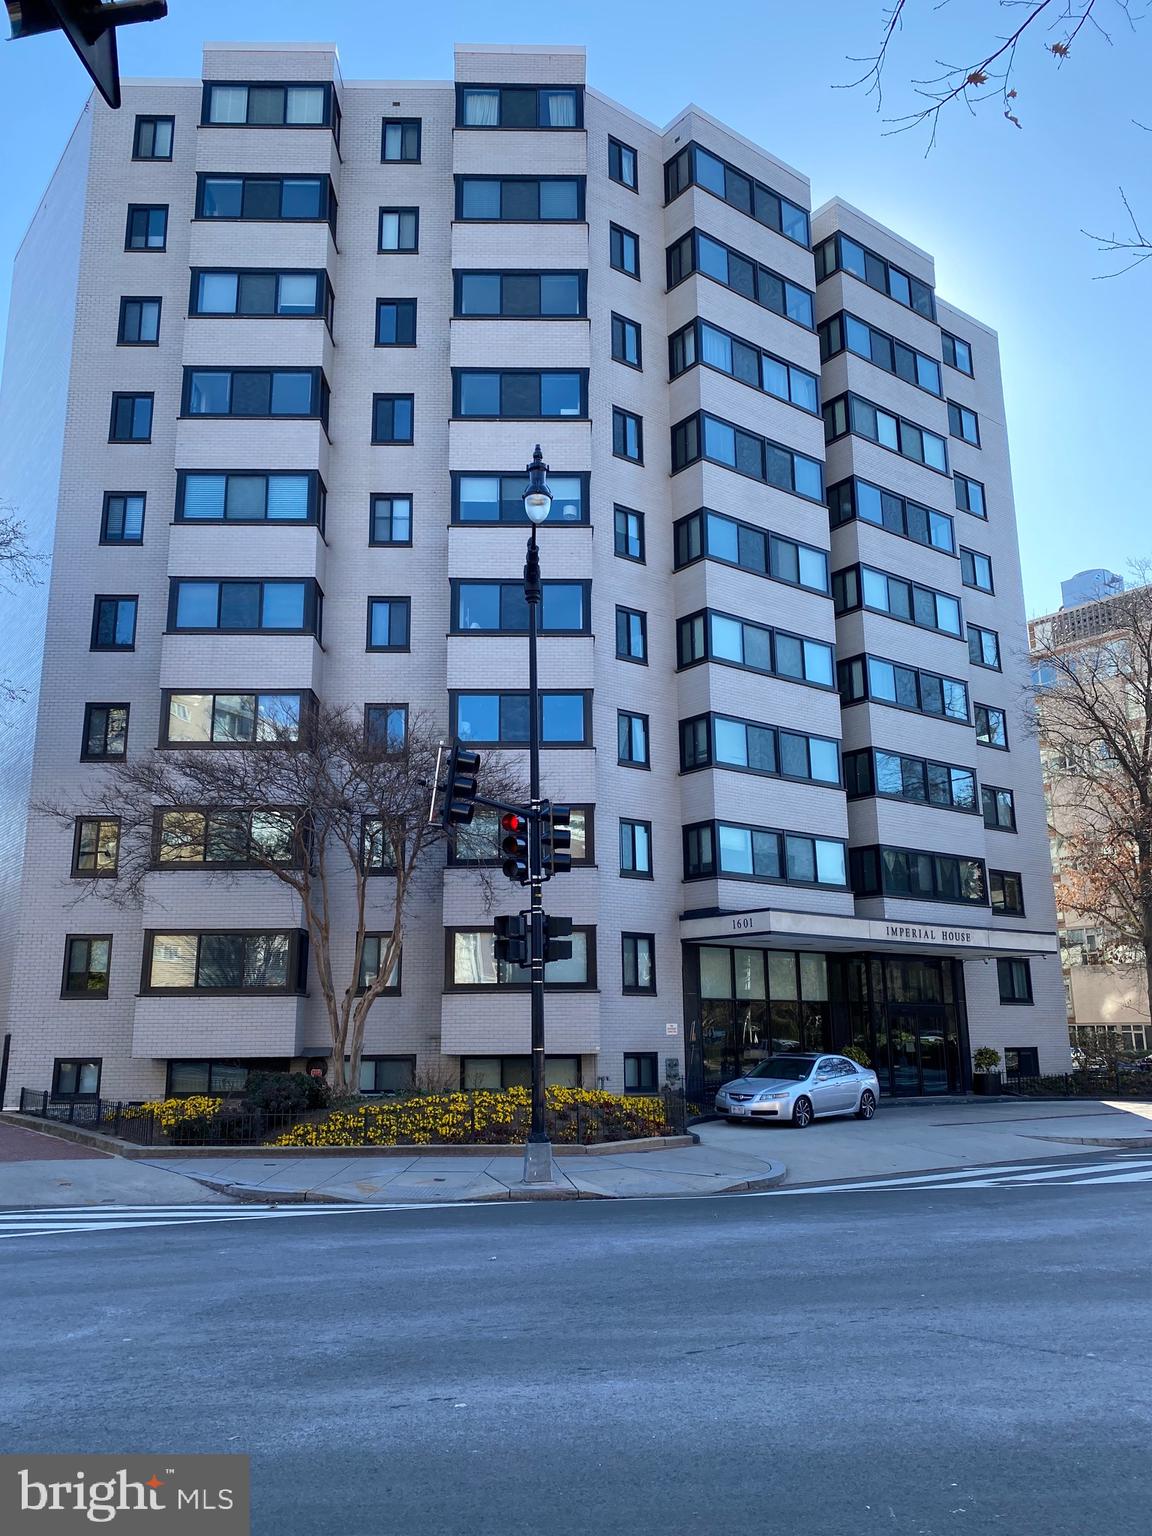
<point>986,1071</point>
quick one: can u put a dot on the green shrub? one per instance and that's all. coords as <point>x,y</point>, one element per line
<point>854,1053</point>
<point>986,1059</point>
<point>284,1093</point>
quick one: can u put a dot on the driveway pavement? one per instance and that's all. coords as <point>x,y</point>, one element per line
<point>906,1138</point>
<point>37,1169</point>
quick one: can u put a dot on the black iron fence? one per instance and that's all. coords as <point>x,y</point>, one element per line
<point>236,1124</point>
<point>1116,1082</point>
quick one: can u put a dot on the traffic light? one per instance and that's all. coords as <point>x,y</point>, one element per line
<point>458,787</point>
<point>91,29</point>
<point>514,846</point>
<point>557,938</point>
<point>556,841</point>
<point>512,939</point>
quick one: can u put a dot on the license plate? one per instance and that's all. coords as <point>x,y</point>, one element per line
<point>740,1109</point>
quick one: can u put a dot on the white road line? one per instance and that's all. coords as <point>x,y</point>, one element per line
<point>902,1181</point>
<point>965,1178</point>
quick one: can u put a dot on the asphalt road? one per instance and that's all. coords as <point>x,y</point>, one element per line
<point>901,1362</point>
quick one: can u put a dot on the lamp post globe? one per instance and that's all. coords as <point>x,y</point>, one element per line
<point>537,495</point>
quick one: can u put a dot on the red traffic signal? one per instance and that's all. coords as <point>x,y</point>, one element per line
<point>514,846</point>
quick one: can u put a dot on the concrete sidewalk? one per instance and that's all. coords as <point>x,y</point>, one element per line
<point>695,1170</point>
<point>38,1169</point>
<point>919,1136</point>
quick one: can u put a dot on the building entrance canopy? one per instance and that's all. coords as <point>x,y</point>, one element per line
<point>773,928</point>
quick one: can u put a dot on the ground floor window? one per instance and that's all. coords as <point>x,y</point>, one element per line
<point>387,1074</point>
<point>73,1079</point>
<point>641,1072</point>
<point>1022,1061</point>
<point>219,1079</point>
<point>493,1073</point>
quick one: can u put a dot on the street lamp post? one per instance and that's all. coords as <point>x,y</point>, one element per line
<point>537,1149</point>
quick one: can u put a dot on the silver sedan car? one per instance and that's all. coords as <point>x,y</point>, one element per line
<point>800,1088</point>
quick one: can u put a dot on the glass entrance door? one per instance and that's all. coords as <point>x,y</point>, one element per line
<point>920,1059</point>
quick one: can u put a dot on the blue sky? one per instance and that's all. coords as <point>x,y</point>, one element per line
<point>1000,209</point>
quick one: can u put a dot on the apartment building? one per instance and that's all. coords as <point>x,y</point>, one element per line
<point>305,334</point>
<point>1105,986</point>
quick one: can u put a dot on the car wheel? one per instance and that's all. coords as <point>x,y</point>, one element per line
<point>867,1105</point>
<point>802,1113</point>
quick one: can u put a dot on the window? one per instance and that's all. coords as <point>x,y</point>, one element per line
<point>957,353</point>
<point>233,719</point>
<point>105,732</point>
<point>131,419</point>
<point>387,1074</point>
<point>627,435</point>
<point>710,535</point>
<point>249,496</point>
<point>1006,890</point>
<point>73,1079</point>
<point>983,647</point>
<point>894,776</point>
<point>388,623</point>
<point>700,342</point>
<point>279,605</point>
<point>914,875</point>
<point>391,520</point>
<point>852,413</point>
<point>400,140</point>
<point>969,495</point>
<point>294,105</point>
<point>632,739</point>
<point>519,106</point>
<point>698,252</point>
<point>636,849</point>
<point>702,436</point>
<point>495,498</point>
<point>96,846</point>
<point>139,323</point>
<point>392,418</point>
<point>153,138</point>
<point>1015,981</point>
<point>641,1072</point>
<point>86,961</point>
<point>263,392</point>
<point>395,322</point>
<point>622,164</point>
<point>840,254</point>
<point>695,165</point>
<point>976,570</point>
<point>237,838</point>
<point>720,848</point>
<point>471,963</point>
<point>479,841</point>
<point>626,341</point>
<point>999,807</point>
<point>845,333</point>
<point>293,198</point>
<point>386,726</point>
<point>259,293</point>
<point>520,394</point>
<point>147,227</point>
<point>220,1079</point>
<point>722,637</point>
<point>628,533</point>
<point>236,961</point>
<point>863,586</point>
<point>991,726</point>
<point>888,682</point>
<point>499,607</point>
<point>399,229</point>
<point>501,719</point>
<point>885,509</point>
<point>493,1074</point>
<point>521,295</point>
<point>1021,1061</point>
<point>122,521</point>
<point>624,250</point>
<point>114,624</point>
<point>520,199</point>
<point>631,635</point>
<point>726,741</point>
<point>378,850</point>
<point>963,423</point>
<point>638,966</point>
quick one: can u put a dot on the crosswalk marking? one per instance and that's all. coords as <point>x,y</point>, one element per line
<point>104,1218</point>
<point>1123,1169</point>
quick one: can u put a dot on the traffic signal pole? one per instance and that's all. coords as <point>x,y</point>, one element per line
<point>537,1149</point>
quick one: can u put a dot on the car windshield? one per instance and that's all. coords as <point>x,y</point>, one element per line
<point>793,1069</point>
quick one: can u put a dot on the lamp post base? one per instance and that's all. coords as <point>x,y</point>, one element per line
<point>538,1162</point>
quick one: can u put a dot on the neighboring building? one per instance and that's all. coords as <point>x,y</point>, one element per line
<point>319,326</point>
<point>1104,985</point>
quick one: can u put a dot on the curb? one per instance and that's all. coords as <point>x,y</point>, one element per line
<point>1098,1141</point>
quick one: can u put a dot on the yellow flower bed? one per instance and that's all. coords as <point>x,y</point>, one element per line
<point>170,1114</point>
<point>575,1114</point>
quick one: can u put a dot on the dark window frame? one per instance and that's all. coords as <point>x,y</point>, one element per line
<point>623,611</point>
<point>101,757</point>
<point>329,208</point>
<point>973,556</point>
<point>977,632</point>
<point>641,1064</point>
<point>824,270</point>
<point>61,1095</point>
<point>636,990</point>
<point>633,824</point>
<point>186,863</point>
<point>296,967</point>
<point>313,605</point>
<point>323,288</point>
<point>460,273</point>
<point>393,442</point>
<point>623,553</point>
<point>317,498</point>
<point>623,328</point>
<point>402,123</point>
<point>868,889</point>
<point>388,707</point>
<point>772,631</point>
<point>832,333</point>
<point>455,583</point>
<point>868,697</point>
<point>146,208</point>
<point>621,419</point>
<point>581,374</point>
<point>1009,997</point>
<point>152,119</point>
<point>520,520</point>
<point>1000,909</point>
<point>874,792</point>
<point>397,250</point>
<point>996,825</point>
<point>320,395</point>
<point>621,180</point>
<point>87,993</point>
<point>689,446</point>
<point>109,498</point>
<point>713,763</point>
<point>584,694</point>
<point>853,575</point>
<point>618,241</point>
<point>678,365</point>
<point>462,218</point>
<point>80,822</point>
<point>702,515</point>
<point>463,86</point>
<point>844,507</point>
<point>413,311</point>
<point>134,395</point>
<point>762,278</point>
<point>405,603</point>
<point>962,411</point>
<point>676,183</point>
<point>332,113</point>
<point>782,834</point>
<point>465,860</point>
<point>948,344</point>
<point>391,497</point>
<point>630,715</point>
<point>905,426</point>
<point>963,483</point>
<point>482,988</point>
<point>114,597</point>
<point>139,298</point>
<point>308,706</point>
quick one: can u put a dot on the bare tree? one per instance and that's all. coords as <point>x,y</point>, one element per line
<point>18,565</point>
<point>322,810</point>
<point>1092,701</point>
